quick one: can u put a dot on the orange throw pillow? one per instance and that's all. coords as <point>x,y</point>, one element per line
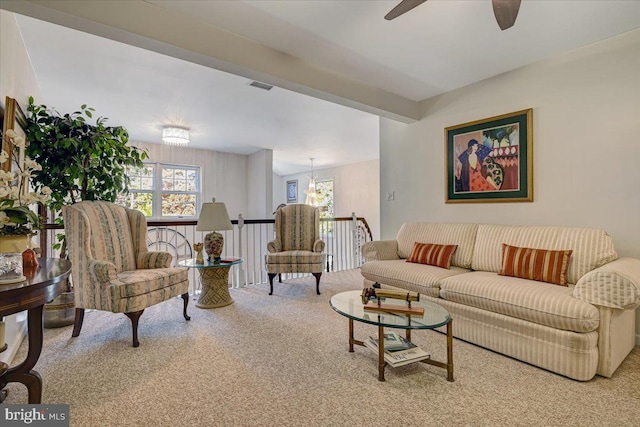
<point>432,254</point>
<point>535,264</point>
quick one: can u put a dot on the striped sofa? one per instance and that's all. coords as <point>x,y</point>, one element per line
<point>580,330</point>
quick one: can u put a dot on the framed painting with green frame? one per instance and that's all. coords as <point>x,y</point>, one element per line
<point>490,160</point>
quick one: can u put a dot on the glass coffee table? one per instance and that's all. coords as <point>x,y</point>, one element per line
<point>349,304</point>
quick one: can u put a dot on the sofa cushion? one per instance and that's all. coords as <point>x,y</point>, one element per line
<point>535,264</point>
<point>432,254</point>
<point>591,248</point>
<point>463,235</point>
<point>412,277</point>
<point>541,303</point>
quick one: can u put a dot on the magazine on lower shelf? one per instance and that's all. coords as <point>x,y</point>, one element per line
<point>393,342</point>
<point>401,357</point>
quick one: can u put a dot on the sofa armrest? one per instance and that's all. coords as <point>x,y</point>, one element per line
<point>380,250</point>
<point>318,246</point>
<point>148,260</point>
<point>274,246</point>
<point>101,272</point>
<point>615,285</point>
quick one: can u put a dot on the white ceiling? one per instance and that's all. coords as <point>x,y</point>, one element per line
<point>437,47</point>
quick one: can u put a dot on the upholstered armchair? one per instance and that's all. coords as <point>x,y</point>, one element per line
<point>112,269</point>
<point>297,247</point>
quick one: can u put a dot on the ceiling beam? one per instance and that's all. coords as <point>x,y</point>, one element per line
<point>152,27</point>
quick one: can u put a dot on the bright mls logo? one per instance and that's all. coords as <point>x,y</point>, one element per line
<point>35,415</point>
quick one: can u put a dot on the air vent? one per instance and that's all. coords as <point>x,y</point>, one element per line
<point>260,85</point>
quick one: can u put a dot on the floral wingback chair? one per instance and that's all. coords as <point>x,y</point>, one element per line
<point>112,269</point>
<point>297,247</point>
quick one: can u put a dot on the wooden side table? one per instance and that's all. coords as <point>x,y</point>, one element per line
<point>43,284</point>
<point>214,277</point>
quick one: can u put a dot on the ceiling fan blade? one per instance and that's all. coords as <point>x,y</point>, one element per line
<point>403,7</point>
<point>506,12</point>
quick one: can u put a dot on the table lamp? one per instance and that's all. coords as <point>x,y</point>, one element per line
<point>213,217</point>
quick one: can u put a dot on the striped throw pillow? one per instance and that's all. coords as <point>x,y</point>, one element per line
<point>432,254</point>
<point>535,264</point>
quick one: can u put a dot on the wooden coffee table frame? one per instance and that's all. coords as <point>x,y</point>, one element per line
<point>382,364</point>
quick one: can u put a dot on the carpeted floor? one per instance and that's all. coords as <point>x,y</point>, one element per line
<point>282,360</point>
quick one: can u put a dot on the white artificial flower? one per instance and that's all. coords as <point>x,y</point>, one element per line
<point>18,141</point>
<point>10,185</point>
<point>35,198</point>
<point>6,176</point>
<point>31,198</point>
<point>32,164</point>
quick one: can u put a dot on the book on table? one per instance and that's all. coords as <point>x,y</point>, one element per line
<point>399,357</point>
<point>394,342</point>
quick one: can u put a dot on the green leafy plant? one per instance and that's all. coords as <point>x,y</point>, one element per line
<point>80,161</point>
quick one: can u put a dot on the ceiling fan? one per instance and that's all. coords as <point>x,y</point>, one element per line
<point>505,11</point>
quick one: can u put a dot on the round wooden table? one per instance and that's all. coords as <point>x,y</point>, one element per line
<point>42,285</point>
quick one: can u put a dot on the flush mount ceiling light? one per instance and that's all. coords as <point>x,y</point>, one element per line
<point>175,136</point>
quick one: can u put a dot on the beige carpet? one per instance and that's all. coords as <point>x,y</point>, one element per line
<point>282,360</point>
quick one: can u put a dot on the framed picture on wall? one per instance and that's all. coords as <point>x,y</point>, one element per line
<point>14,119</point>
<point>292,191</point>
<point>490,160</point>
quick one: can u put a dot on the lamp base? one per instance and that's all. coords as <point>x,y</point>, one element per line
<point>213,243</point>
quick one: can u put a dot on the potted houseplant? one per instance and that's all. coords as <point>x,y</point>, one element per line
<point>80,161</point>
<point>18,222</point>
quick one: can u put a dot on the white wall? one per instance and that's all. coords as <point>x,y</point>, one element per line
<point>279,191</point>
<point>260,190</point>
<point>356,188</point>
<point>18,81</point>
<point>224,175</point>
<point>586,146</point>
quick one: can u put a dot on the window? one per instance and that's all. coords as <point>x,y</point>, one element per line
<point>163,191</point>
<point>324,190</point>
<point>141,188</point>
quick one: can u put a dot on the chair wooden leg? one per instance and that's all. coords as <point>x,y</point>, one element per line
<point>77,323</point>
<point>271,276</point>
<point>135,316</point>
<point>185,297</point>
<point>317,276</point>
<point>280,277</point>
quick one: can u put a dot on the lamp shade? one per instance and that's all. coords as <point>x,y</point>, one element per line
<point>214,217</point>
